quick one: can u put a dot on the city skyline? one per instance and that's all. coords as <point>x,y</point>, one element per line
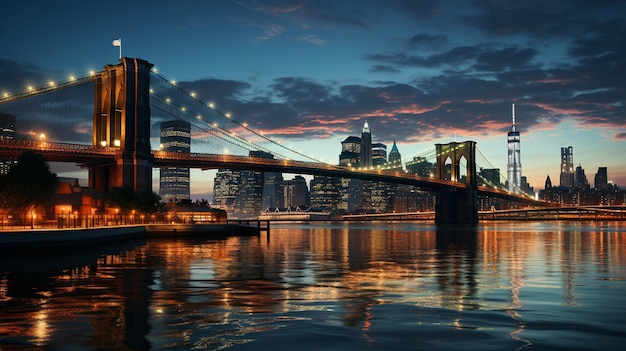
<point>310,73</point>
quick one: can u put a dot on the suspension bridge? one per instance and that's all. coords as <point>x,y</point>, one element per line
<point>107,122</point>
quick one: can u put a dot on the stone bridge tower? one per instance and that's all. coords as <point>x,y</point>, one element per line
<point>121,119</point>
<point>457,205</point>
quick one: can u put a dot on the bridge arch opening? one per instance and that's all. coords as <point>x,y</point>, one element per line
<point>448,172</point>
<point>463,171</point>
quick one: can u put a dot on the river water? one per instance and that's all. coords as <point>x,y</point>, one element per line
<point>328,286</point>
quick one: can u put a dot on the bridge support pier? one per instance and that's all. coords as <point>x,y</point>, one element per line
<point>458,206</point>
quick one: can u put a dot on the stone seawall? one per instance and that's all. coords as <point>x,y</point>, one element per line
<point>59,238</point>
<point>39,239</point>
<point>200,230</point>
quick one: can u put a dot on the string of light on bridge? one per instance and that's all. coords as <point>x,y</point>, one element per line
<point>50,85</point>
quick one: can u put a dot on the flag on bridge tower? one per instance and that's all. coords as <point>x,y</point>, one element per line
<point>118,42</point>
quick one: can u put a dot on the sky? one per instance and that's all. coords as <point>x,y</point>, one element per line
<point>309,73</point>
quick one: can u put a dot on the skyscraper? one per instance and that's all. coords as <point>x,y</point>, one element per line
<point>247,204</point>
<point>601,178</point>
<point>7,132</point>
<point>225,189</point>
<point>350,151</point>
<point>174,181</point>
<point>296,192</point>
<point>514,164</point>
<point>379,154</point>
<point>366,147</point>
<point>580,179</point>
<point>395,159</point>
<point>567,167</point>
<point>272,190</point>
<point>325,192</point>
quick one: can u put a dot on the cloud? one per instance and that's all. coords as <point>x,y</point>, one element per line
<point>384,69</point>
<point>270,31</point>
<point>274,7</point>
<point>310,38</point>
<point>424,41</point>
<point>216,90</point>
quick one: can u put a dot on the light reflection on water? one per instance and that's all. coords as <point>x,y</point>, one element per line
<point>383,286</point>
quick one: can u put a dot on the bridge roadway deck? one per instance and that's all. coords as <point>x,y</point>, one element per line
<point>93,156</point>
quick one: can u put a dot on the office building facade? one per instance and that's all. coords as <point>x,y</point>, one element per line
<point>7,132</point>
<point>225,189</point>
<point>567,167</point>
<point>174,181</point>
<point>379,154</point>
<point>325,193</point>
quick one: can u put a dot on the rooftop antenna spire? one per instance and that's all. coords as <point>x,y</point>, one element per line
<point>513,111</point>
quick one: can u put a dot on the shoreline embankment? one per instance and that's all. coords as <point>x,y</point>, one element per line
<point>38,239</point>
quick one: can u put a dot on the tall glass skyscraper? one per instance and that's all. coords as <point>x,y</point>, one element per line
<point>225,189</point>
<point>7,132</point>
<point>325,192</point>
<point>174,181</point>
<point>514,164</point>
<point>379,154</point>
<point>567,167</point>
